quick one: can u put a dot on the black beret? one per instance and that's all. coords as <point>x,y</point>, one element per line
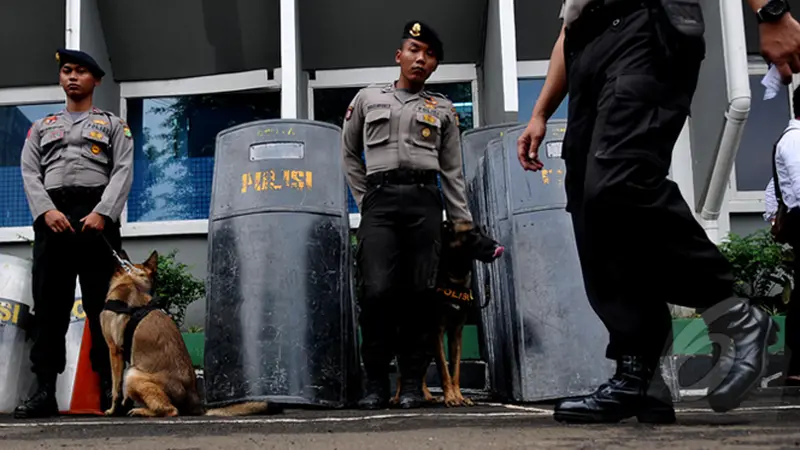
<point>64,56</point>
<point>419,31</point>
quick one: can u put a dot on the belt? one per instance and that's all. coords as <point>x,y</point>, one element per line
<point>76,193</point>
<point>597,16</point>
<point>402,176</point>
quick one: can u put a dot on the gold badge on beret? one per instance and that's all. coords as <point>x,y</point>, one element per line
<point>415,30</point>
<point>58,57</point>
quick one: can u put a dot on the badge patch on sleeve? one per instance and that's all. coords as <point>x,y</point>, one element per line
<point>50,120</point>
<point>29,133</point>
<point>127,132</point>
<point>349,113</point>
<point>455,115</point>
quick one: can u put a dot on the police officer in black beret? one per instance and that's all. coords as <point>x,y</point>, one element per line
<point>410,136</point>
<point>77,168</point>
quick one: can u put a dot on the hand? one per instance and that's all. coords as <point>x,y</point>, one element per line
<point>528,144</point>
<point>93,221</point>
<point>57,221</point>
<point>780,45</point>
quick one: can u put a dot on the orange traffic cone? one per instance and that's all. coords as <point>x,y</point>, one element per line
<point>86,389</point>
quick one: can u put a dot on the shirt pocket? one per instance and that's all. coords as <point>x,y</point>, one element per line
<point>95,147</point>
<point>426,131</point>
<point>51,142</point>
<point>377,127</point>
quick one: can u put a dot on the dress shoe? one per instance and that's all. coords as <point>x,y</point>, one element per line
<point>41,404</point>
<point>376,395</point>
<point>746,333</point>
<point>636,389</point>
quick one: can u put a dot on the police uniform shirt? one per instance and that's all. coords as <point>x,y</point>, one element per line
<point>571,9</point>
<point>90,149</point>
<point>401,129</point>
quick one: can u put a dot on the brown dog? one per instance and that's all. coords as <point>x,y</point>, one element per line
<point>461,245</point>
<point>160,375</point>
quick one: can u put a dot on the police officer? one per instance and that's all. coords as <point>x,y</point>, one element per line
<point>409,135</point>
<point>77,169</point>
<point>631,69</point>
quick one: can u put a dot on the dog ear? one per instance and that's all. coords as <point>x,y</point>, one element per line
<point>152,262</point>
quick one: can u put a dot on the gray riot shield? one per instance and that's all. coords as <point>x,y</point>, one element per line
<point>551,342</point>
<point>15,314</point>
<point>473,144</point>
<point>280,323</point>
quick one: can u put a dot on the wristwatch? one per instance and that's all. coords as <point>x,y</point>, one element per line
<point>772,11</point>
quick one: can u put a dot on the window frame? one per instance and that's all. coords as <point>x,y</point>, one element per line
<point>752,201</point>
<point>20,97</point>
<point>357,78</point>
<point>210,84</point>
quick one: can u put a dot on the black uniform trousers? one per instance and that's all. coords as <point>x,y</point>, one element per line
<point>793,311</point>
<point>58,259</point>
<point>399,241</point>
<point>631,80</point>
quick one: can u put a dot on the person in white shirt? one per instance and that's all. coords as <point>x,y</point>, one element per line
<point>787,167</point>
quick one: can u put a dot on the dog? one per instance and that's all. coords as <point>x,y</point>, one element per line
<point>461,245</point>
<point>160,376</point>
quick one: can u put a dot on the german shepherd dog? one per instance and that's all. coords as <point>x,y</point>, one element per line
<point>460,247</point>
<point>160,375</point>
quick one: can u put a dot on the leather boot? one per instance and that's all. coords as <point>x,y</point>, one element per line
<point>411,396</point>
<point>42,403</point>
<point>376,394</point>
<point>746,333</point>
<point>636,389</point>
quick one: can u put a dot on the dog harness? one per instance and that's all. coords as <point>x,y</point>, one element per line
<point>137,314</point>
<point>456,297</point>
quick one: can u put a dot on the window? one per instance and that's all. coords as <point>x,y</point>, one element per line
<point>528,92</point>
<point>765,123</point>
<point>15,121</point>
<point>174,139</point>
<point>330,105</point>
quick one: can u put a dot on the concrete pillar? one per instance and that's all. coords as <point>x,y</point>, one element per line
<point>294,83</point>
<point>86,34</point>
<point>497,77</point>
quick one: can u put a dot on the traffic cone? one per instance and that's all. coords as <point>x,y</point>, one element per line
<point>86,388</point>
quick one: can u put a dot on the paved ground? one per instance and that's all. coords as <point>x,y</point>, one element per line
<point>765,423</point>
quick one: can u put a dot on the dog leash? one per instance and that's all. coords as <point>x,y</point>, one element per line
<point>126,265</point>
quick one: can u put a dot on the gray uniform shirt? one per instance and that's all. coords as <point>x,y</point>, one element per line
<point>571,9</point>
<point>94,149</point>
<point>404,130</point>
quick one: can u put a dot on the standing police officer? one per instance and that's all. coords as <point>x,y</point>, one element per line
<point>77,169</point>
<point>411,135</point>
<point>631,68</point>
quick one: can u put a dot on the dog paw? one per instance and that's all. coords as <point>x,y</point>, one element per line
<point>140,412</point>
<point>110,412</point>
<point>467,402</point>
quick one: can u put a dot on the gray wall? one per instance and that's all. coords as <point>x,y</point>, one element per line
<point>155,39</point>
<point>344,34</point>
<point>30,33</point>
<point>192,251</point>
<point>709,105</point>
<point>106,96</point>
<point>538,26</point>
<point>744,224</point>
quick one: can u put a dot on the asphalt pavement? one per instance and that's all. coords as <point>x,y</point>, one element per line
<point>767,422</point>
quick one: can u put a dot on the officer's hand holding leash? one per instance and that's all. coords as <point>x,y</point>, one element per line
<point>57,221</point>
<point>93,221</point>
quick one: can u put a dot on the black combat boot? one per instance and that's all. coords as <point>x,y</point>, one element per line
<point>42,403</point>
<point>742,334</point>
<point>411,396</point>
<point>637,389</point>
<point>376,394</point>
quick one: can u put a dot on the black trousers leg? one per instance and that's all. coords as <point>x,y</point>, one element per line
<point>639,232</point>
<point>95,273</point>
<point>377,262</point>
<point>54,274</point>
<point>422,224</point>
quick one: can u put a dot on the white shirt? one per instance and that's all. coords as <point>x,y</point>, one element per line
<point>571,9</point>
<point>787,165</point>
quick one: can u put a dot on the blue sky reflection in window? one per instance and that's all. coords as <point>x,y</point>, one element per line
<point>174,149</point>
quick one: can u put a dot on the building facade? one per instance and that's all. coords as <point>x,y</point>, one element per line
<point>181,71</point>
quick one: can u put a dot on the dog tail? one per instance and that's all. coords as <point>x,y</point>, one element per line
<point>244,409</point>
